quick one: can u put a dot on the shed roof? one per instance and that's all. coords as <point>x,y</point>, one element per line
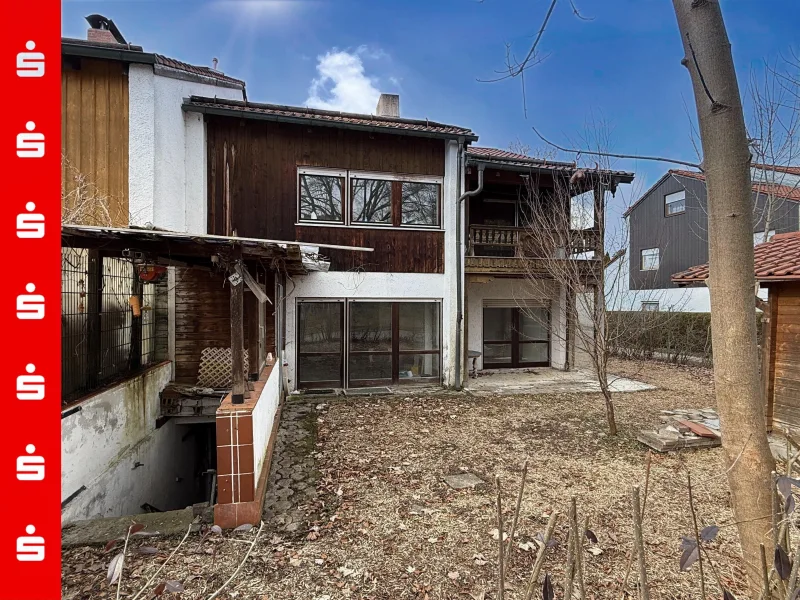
<point>314,116</point>
<point>775,260</point>
<point>296,257</point>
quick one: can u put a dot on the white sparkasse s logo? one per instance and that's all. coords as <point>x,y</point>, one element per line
<point>30,468</point>
<point>30,225</point>
<point>31,144</point>
<point>30,306</point>
<point>30,387</point>
<point>30,64</point>
<point>30,548</point>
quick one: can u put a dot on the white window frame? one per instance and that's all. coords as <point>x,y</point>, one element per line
<point>667,202</point>
<point>641,259</point>
<point>324,173</point>
<point>350,175</point>
<point>647,306</point>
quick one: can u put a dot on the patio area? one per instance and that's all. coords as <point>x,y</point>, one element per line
<point>545,380</point>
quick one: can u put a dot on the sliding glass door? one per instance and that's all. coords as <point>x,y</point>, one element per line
<point>516,337</point>
<point>319,344</point>
<point>393,342</point>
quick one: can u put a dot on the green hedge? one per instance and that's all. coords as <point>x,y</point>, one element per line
<point>674,336</point>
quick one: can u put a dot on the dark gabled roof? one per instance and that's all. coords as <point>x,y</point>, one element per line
<point>134,54</point>
<point>196,70</point>
<point>329,118</point>
<point>505,158</point>
<point>775,260</point>
<point>779,191</point>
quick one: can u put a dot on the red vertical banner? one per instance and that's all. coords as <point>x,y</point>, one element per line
<point>30,147</point>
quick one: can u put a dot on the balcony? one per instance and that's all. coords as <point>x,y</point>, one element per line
<point>511,250</point>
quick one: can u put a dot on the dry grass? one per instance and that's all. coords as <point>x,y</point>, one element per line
<point>386,526</point>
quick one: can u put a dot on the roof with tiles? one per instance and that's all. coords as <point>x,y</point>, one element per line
<point>775,260</point>
<point>325,117</point>
<point>196,70</point>
<point>506,157</point>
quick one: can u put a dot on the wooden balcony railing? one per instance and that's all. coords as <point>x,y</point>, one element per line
<point>501,249</point>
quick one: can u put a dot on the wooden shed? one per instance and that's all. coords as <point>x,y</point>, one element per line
<point>777,268</point>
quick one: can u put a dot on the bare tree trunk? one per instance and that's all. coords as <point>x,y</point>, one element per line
<point>730,239</point>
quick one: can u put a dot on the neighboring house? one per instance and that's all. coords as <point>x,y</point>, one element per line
<point>126,144</point>
<point>777,267</point>
<point>668,229</point>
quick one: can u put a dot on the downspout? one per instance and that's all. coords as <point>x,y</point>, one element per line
<point>459,269</point>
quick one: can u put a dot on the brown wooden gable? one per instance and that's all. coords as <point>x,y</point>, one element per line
<point>94,141</point>
<point>252,187</point>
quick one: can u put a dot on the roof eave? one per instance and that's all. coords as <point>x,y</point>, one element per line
<point>224,111</point>
<point>620,177</point>
<point>121,54</point>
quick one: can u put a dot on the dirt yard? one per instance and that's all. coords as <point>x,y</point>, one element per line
<point>383,524</point>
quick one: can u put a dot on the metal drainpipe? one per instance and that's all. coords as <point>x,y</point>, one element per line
<point>459,292</point>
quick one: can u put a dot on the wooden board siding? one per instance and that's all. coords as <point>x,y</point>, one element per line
<point>94,137</point>
<point>786,362</point>
<point>252,184</point>
<point>396,251</point>
<point>202,310</point>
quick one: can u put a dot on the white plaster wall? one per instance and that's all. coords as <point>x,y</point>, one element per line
<point>378,286</point>
<point>264,417</point>
<point>142,144</point>
<point>102,443</point>
<point>167,178</point>
<point>519,290</point>
<point>450,192</point>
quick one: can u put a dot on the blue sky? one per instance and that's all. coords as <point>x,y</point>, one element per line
<point>622,67</point>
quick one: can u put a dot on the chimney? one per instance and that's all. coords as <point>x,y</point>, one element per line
<point>100,35</point>
<point>388,105</point>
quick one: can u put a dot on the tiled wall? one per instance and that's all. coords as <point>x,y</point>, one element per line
<point>240,487</point>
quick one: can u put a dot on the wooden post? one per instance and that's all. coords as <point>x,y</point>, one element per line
<point>769,325</point>
<point>94,306</point>
<point>251,309</point>
<point>237,336</point>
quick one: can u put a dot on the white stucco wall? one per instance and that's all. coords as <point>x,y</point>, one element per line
<point>264,418</point>
<point>167,177</point>
<point>102,443</point>
<point>358,285</point>
<point>518,290</point>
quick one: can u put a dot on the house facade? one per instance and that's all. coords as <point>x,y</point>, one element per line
<point>668,228</point>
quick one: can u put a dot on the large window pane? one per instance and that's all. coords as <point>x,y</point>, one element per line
<point>319,343</point>
<point>420,204</point>
<point>496,353</point>
<point>372,201</point>
<point>533,324</point>
<point>319,327</point>
<point>413,366</point>
<point>419,326</point>
<point>497,324</point>
<point>370,326</point>
<point>370,367</point>
<point>533,353</point>
<point>321,198</point>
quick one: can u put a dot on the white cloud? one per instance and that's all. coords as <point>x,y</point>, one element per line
<point>342,84</point>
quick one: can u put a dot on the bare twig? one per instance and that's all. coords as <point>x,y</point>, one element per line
<point>696,537</point>
<point>644,506</point>
<point>644,592</point>
<point>500,543</point>
<point>793,576</point>
<point>764,575</point>
<point>537,566</point>
<point>571,548</point>
<point>241,564</point>
<point>513,530</point>
<point>614,155</point>
<point>164,564</point>
<point>124,554</point>
<point>579,552</point>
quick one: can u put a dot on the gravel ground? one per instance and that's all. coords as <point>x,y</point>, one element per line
<point>383,524</point>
